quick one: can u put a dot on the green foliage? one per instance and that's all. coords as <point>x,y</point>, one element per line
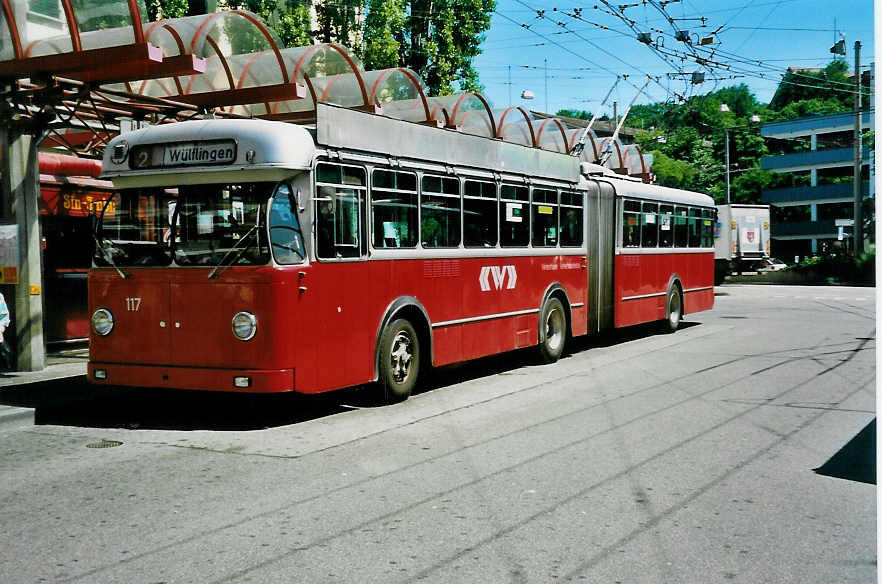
<point>383,34</point>
<point>288,19</point>
<point>839,268</point>
<point>444,36</point>
<point>833,83</point>
<point>673,173</point>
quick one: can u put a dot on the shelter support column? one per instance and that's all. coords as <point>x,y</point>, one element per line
<point>20,195</point>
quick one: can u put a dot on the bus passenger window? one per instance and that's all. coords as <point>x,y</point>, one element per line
<point>514,216</point>
<point>707,228</point>
<point>285,234</point>
<point>440,209</point>
<point>631,224</point>
<point>666,226</point>
<point>394,209</point>
<point>544,218</point>
<point>338,211</point>
<point>479,212</point>
<point>694,227</point>
<point>649,225</point>
<point>681,237</point>
<point>571,219</point>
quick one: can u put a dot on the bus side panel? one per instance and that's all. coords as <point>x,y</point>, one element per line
<point>698,282</point>
<point>642,280</point>
<point>500,298</point>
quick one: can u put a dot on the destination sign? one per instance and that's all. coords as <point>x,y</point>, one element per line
<point>183,154</point>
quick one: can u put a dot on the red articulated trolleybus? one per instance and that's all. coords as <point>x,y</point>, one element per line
<point>259,256</point>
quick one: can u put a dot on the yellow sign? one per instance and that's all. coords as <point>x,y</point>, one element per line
<point>544,210</point>
<point>35,289</point>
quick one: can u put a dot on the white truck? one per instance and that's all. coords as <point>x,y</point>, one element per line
<point>742,239</point>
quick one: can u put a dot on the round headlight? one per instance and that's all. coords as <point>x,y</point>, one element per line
<point>102,322</point>
<point>244,326</point>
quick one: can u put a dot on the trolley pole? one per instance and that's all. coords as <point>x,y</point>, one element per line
<point>858,156</point>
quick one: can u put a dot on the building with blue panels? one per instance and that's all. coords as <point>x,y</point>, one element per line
<point>818,152</point>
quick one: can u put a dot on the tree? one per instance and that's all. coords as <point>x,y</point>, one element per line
<point>435,38</point>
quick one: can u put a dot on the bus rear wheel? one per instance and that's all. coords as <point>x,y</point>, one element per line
<point>399,361</point>
<point>674,310</point>
<point>552,330</point>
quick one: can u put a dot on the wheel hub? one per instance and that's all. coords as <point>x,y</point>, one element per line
<point>401,356</point>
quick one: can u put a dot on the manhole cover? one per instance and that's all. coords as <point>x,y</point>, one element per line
<point>104,444</point>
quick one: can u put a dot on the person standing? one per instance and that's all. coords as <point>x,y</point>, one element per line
<point>5,321</point>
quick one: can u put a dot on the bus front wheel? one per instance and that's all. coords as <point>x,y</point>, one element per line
<point>399,361</point>
<point>552,330</point>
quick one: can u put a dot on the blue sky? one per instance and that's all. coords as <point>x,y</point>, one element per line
<point>579,60</point>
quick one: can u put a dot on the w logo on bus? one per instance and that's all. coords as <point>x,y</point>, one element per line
<point>499,273</point>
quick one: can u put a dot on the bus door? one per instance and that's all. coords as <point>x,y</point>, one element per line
<point>338,287</point>
<point>601,255</point>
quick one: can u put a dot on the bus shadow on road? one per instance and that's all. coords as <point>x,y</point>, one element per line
<point>75,402</point>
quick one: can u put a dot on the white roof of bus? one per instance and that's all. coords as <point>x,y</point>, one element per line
<point>275,144</point>
<point>627,188</point>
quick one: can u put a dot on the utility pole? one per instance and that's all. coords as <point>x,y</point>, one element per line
<point>546,87</point>
<point>509,86</point>
<point>728,168</point>
<point>858,156</point>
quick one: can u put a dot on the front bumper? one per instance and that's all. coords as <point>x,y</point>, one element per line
<point>203,379</point>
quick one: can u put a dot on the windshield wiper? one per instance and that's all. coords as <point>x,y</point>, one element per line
<point>234,248</point>
<point>108,257</point>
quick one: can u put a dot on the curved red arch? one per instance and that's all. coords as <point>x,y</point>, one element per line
<point>73,26</point>
<point>455,111</point>
<point>13,30</point>
<point>256,22</point>
<point>526,119</point>
<point>413,79</point>
<point>560,127</point>
<point>635,149</point>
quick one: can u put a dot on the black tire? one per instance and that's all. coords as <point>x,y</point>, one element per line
<point>399,361</point>
<point>552,330</point>
<point>673,309</point>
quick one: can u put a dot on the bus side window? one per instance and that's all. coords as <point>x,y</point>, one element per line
<point>571,220</point>
<point>285,234</point>
<point>631,224</point>
<point>440,209</point>
<point>707,228</point>
<point>339,206</point>
<point>394,209</point>
<point>479,212</point>
<point>681,218</point>
<point>649,225</point>
<point>545,211</point>
<point>694,227</point>
<point>666,226</point>
<point>514,216</point>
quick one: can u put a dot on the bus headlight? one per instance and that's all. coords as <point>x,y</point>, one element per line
<point>244,326</point>
<point>102,322</point>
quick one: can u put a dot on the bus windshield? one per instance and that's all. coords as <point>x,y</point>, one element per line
<point>134,228</point>
<point>192,225</point>
<point>221,225</point>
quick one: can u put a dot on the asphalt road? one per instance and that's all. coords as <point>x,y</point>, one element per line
<point>739,449</point>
